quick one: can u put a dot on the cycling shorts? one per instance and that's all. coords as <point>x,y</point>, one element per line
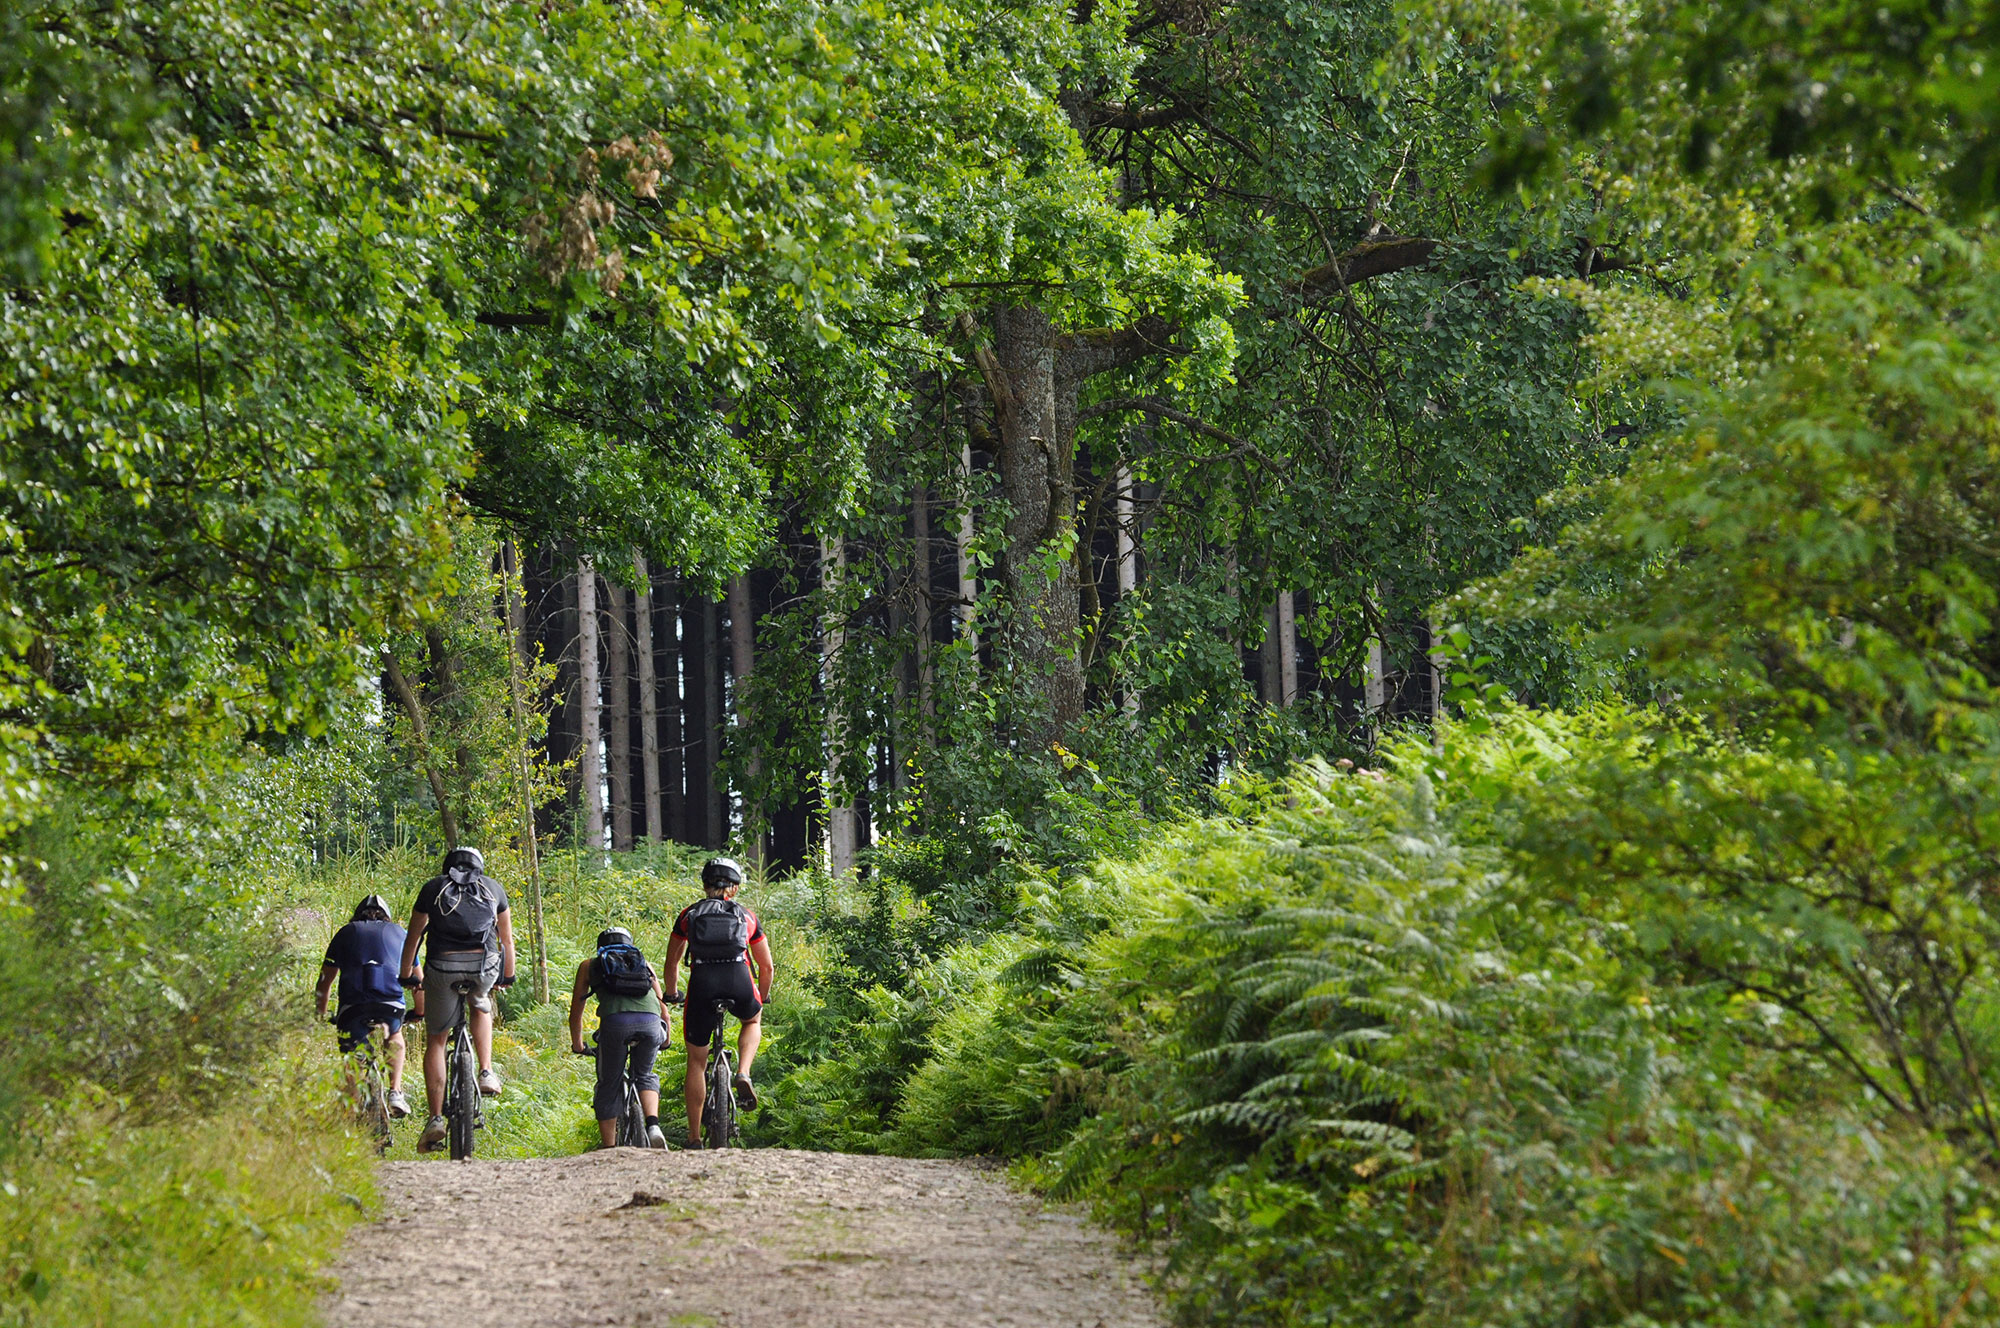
<point>730,984</point>
<point>355,1021</point>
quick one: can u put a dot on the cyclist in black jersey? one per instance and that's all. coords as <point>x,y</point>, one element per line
<point>721,940</point>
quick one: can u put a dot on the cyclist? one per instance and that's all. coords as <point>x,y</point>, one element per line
<point>720,938</point>
<point>463,911</point>
<point>363,955</point>
<point>631,1021</point>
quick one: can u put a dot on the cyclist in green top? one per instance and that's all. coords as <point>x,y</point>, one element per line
<point>631,1021</point>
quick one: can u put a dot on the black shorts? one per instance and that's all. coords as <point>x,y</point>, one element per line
<point>354,1022</point>
<point>729,984</point>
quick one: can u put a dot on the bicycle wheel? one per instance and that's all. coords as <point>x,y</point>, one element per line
<point>632,1123</point>
<point>718,1116</point>
<point>464,1106</point>
<point>375,1106</point>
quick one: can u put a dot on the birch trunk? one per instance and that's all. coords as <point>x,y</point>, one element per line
<point>590,768</point>
<point>413,709</point>
<point>618,715</point>
<point>649,702</point>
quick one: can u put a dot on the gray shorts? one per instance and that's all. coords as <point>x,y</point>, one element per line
<point>440,971</point>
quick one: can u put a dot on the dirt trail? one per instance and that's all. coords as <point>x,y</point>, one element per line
<point>742,1237</point>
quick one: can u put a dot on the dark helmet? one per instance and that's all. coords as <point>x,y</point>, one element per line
<point>371,909</point>
<point>720,872</point>
<point>464,856</point>
<point>613,936</point>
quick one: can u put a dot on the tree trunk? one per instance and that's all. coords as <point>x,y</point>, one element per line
<point>920,553</point>
<point>715,791</point>
<point>1279,655</point>
<point>840,815</point>
<point>1037,457</point>
<point>529,848</point>
<point>1122,536</point>
<point>590,768</point>
<point>1288,649</point>
<point>673,720</point>
<point>406,696</point>
<point>618,715</point>
<point>649,702</point>
<point>742,666</point>
<point>968,580</point>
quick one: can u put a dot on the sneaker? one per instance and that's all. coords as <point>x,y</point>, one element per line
<point>432,1138</point>
<point>489,1083</point>
<point>655,1137</point>
<point>399,1106</point>
<point>746,1093</point>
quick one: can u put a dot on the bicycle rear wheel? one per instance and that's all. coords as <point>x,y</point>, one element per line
<point>463,1106</point>
<point>632,1121</point>
<point>375,1106</point>
<point>718,1116</point>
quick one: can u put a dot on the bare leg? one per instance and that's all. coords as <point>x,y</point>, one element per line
<point>434,1050</point>
<point>482,1036</point>
<point>697,1090</point>
<point>396,1048</point>
<point>649,1101</point>
<point>607,1130</point>
<point>746,1045</point>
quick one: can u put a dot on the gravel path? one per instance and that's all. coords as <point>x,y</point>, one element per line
<point>741,1237</point>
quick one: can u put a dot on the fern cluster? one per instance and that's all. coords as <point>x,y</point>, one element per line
<point>1347,1066</point>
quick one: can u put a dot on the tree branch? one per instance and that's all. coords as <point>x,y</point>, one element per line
<point>1364,262</point>
<point>1097,350</point>
<point>1154,406</point>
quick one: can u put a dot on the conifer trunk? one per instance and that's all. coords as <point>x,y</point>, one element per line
<point>618,714</point>
<point>742,666</point>
<point>840,821</point>
<point>649,702</point>
<point>590,769</point>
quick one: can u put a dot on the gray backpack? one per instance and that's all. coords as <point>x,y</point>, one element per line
<point>718,931</point>
<point>467,910</point>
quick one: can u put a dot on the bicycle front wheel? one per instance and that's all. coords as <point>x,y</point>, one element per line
<point>464,1101</point>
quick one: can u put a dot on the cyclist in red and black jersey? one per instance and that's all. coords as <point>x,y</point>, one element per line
<point>721,939</point>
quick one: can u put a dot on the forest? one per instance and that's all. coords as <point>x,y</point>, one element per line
<point>1364,634</point>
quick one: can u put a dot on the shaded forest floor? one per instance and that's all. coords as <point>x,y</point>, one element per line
<point>820,1240</point>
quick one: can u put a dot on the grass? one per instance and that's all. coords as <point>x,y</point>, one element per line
<point>202,1222</point>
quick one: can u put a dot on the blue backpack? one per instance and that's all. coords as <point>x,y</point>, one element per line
<point>621,970</point>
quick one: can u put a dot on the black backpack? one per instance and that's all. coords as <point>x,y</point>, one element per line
<point>621,971</point>
<point>718,931</point>
<point>467,908</point>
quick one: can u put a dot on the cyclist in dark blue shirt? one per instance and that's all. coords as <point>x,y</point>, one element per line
<point>364,955</point>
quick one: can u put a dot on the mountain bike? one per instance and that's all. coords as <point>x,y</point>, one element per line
<point>462,1111</point>
<point>368,1088</point>
<point>632,1116</point>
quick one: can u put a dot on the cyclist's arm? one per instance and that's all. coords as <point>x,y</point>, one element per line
<point>675,949</point>
<point>578,993</point>
<point>504,925</point>
<point>760,950</point>
<point>327,973</point>
<point>418,921</point>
